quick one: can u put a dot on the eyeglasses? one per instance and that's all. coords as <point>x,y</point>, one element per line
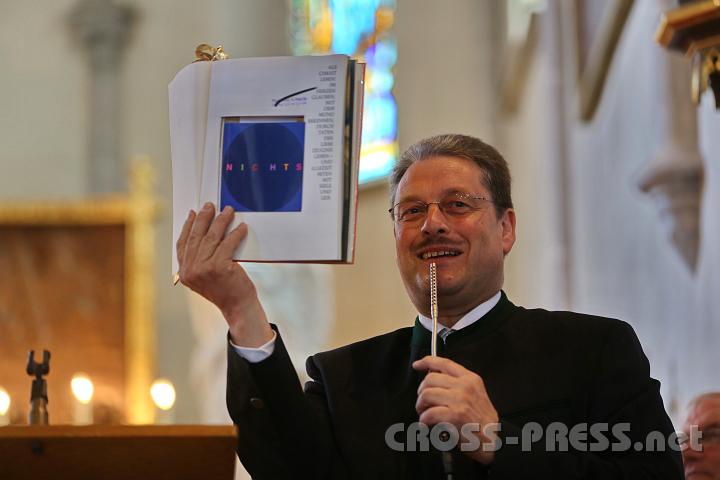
<point>452,205</point>
<point>711,435</point>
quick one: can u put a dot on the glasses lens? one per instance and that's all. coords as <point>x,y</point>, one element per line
<point>711,435</point>
<point>409,211</point>
<point>459,204</point>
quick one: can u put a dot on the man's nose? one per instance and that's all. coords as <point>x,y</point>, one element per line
<point>435,221</point>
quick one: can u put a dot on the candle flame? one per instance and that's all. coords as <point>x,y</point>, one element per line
<point>82,388</point>
<point>163,394</point>
<point>4,401</point>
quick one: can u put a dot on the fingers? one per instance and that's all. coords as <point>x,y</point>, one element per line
<point>226,249</point>
<point>184,234</point>
<point>435,379</point>
<point>440,364</point>
<point>435,415</point>
<point>215,234</point>
<point>434,397</point>
<point>198,231</point>
<point>205,252</point>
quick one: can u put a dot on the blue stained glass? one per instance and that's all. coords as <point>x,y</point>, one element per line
<point>381,165</point>
<point>381,123</point>
<point>361,29</point>
<point>351,20</point>
<point>385,54</point>
<point>382,81</point>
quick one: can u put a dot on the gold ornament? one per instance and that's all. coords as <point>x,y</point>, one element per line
<point>208,53</point>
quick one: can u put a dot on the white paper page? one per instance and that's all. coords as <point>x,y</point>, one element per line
<point>188,94</point>
<point>249,88</point>
<point>188,101</point>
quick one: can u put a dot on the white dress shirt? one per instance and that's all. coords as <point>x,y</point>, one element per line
<point>468,319</point>
<point>255,355</point>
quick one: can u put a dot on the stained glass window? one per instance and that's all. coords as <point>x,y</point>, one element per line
<point>361,29</point>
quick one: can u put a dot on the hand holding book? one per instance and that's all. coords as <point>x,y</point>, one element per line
<point>205,256</point>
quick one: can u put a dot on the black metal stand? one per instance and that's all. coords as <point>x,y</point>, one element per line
<point>38,392</point>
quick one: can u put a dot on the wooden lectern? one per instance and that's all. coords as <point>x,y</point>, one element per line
<point>110,452</point>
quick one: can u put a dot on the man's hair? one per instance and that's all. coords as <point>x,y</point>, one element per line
<point>496,174</point>
<point>702,398</point>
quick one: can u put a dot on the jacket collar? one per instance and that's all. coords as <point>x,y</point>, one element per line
<point>489,322</point>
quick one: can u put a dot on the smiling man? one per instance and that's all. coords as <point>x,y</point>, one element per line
<point>466,234</point>
<point>514,393</point>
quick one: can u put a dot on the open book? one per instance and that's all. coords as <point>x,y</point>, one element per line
<point>278,139</point>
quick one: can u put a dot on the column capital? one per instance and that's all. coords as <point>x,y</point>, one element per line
<point>103,27</point>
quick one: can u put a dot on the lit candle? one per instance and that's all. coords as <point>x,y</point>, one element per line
<point>83,389</point>
<point>163,394</point>
<point>4,407</point>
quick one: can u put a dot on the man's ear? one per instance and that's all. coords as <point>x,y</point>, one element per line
<point>507,222</point>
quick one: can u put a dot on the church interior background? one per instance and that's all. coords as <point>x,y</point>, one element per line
<point>616,182</point>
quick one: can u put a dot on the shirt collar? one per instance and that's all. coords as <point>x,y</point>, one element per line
<point>468,319</point>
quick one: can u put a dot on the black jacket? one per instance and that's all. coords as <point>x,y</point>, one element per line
<point>538,366</point>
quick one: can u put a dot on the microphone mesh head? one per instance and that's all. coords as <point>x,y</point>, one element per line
<point>433,287</point>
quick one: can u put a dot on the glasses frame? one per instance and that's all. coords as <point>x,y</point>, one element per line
<point>439,204</point>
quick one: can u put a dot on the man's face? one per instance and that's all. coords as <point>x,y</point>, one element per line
<point>478,240</point>
<point>704,465</point>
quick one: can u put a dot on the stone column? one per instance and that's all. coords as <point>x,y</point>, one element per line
<point>103,28</point>
<point>675,175</point>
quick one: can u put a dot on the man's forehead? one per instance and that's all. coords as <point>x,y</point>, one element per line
<point>445,192</point>
<point>443,162</point>
<point>705,411</point>
<point>437,173</point>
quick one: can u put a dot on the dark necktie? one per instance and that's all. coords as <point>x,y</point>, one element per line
<point>445,333</point>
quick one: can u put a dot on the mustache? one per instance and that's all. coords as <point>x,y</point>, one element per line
<point>435,241</point>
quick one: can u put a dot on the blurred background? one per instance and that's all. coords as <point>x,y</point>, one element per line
<point>615,182</point>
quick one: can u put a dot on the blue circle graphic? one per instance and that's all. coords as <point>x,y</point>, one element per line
<point>262,166</point>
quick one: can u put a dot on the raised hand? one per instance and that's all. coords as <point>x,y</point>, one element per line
<point>205,255</point>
